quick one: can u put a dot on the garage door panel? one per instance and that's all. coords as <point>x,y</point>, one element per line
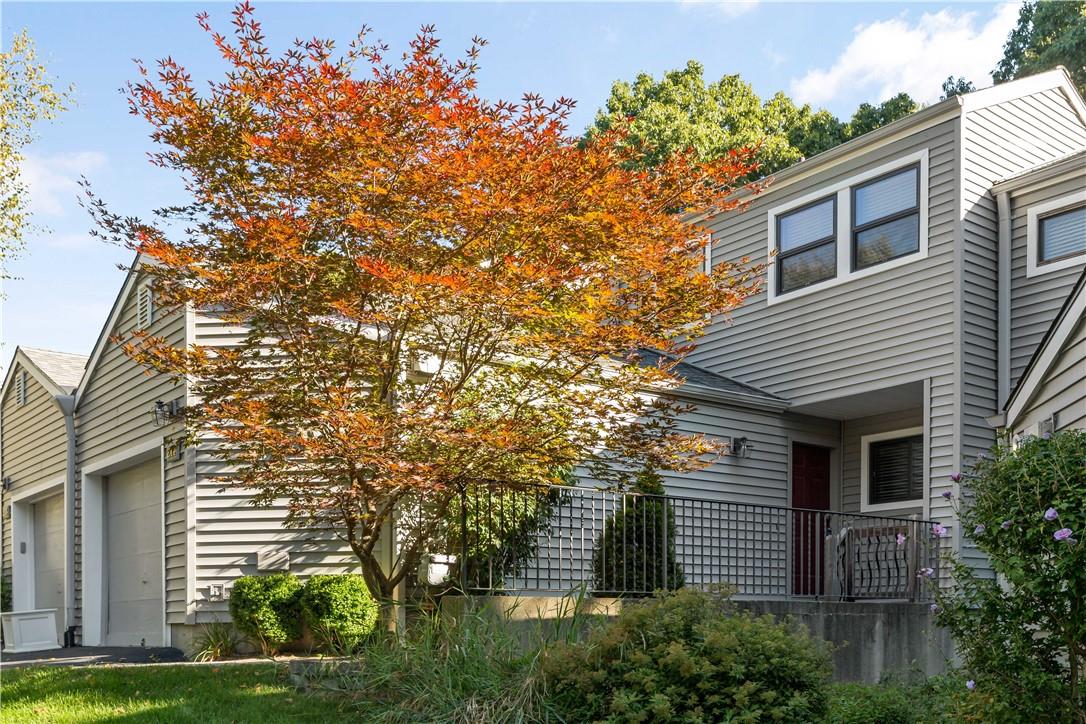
<point>134,564</point>
<point>49,552</point>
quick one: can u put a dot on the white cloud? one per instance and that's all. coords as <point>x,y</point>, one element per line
<point>773,56</point>
<point>890,56</point>
<point>53,180</point>
<point>723,8</point>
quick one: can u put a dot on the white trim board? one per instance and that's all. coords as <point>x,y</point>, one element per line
<point>865,471</point>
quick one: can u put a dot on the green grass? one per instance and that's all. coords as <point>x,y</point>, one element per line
<point>162,693</point>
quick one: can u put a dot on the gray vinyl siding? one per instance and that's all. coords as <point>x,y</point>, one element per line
<point>864,334</point>
<point>115,411</point>
<point>33,445</point>
<point>228,530</point>
<point>851,437</point>
<point>1063,392</point>
<point>174,544</point>
<point>1035,300</point>
<point>999,141</point>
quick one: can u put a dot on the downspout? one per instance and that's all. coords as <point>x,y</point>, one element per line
<point>67,406</point>
<point>1003,294</point>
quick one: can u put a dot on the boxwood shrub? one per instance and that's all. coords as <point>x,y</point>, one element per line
<point>689,656</point>
<point>339,611</point>
<point>266,609</point>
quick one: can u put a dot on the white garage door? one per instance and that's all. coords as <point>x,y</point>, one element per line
<point>49,555</point>
<point>134,557</point>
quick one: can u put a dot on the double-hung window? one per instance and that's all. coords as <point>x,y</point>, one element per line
<point>1062,235</point>
<point>807,245</point>
<point>886,218</point>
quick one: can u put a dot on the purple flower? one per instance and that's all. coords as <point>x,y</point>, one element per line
<point>979,529</point>
<point>947,494</point>
<point>1005,525</point>
<point>934,608</point>
<point>1051,514</point>
<point>925,573</point>
<point>939,531</point>
<point>1063,534</point>
<point>957,478</point>
<point>970,685</point>
<point>901,539</point>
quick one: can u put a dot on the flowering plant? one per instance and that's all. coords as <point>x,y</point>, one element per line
<point>1022,635</point>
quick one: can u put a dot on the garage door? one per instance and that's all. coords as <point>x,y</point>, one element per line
<point>134,557</point>
<point>49,555</point>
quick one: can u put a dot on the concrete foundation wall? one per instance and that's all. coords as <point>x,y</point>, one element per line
<point>870,640</point>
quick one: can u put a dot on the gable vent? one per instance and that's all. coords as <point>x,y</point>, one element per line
<point>21,393</point>
<point>145,313</point>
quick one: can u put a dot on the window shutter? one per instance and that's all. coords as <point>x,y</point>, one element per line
<point>897,470</point>
<point>145,313</point>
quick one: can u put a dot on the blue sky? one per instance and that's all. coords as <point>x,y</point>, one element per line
<point>833,54</point>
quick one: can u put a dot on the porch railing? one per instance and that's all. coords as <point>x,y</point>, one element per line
<point>555,539</point>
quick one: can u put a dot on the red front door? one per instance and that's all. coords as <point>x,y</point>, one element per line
<point>810,495</point>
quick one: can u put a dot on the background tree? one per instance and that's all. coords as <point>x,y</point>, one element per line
<point>438,290</point>
<point>955,87</point>
<point>680,111</point>
<point>1048,34</point>
<point>27,96</point>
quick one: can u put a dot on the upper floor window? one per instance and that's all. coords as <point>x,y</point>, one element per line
<point>1056,234</point>
<point>1063,235</point>
<point>886,218</point>
<point>850,228</point>
<point>807,245</point>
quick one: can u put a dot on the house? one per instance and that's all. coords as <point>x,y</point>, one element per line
<point>926,282</point>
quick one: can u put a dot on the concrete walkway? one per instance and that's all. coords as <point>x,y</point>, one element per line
<point>85,655</point>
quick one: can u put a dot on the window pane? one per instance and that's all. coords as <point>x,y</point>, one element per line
<point>808,267</point>
<point>888,241</point>
<point>888,196</point>
<point>1063,234</point>
<point>897,470</point>
<point>806,225</point>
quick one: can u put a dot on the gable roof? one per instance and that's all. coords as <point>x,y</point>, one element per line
<point>1071,314</point>
<point>700,382</point>
<point>58,372</point>
<point>1070,163</point>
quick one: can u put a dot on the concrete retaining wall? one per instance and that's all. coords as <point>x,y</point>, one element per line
<point>870,640</point>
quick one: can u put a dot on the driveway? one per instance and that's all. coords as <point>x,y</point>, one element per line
<point>85,655</point>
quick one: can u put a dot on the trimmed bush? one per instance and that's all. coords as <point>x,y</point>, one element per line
<point>635,553</point>
<point>689,656</point>
<point>339,611</point>
<point>266,608</point>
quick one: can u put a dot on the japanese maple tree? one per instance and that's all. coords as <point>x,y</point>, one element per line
<point>438,290</point>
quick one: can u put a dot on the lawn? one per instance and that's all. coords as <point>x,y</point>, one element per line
<point>162,693</point>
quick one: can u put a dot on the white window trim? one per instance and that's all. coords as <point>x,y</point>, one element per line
<point>1033,234</point>
<point>843,191</point>
<point>866,506</point>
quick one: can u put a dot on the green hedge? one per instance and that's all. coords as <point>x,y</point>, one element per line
<point>266,608</point>
<point>339,611</point>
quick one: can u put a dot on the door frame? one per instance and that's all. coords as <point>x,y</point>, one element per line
<point>22,532</point>
<point>94,473</point>
<point>834,445</point>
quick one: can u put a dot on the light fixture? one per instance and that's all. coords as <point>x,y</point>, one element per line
<point>6,483</point>
<point>166,412</point>
<point>741,447</point>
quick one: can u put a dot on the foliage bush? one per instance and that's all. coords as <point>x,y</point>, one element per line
<point>339,611</point>
<point>893,701</point>
<point>636,550</point>
<point>217,641</point>
<point>689,656</point>
<point>1023,636</point>
<point>266,608</point>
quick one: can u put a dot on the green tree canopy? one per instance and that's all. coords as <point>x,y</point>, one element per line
<point>680,111</point>
<point>1048,34</point>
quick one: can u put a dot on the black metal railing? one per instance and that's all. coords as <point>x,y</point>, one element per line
<point>555,539</point>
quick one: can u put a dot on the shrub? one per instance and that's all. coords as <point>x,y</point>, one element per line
<point>689,656</point>
<point>217,641</point>
<point>266,609</point>
<point>339,610</point>
<point>893,701</point>
<point>1021,636</point>
<point>636,550</point>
